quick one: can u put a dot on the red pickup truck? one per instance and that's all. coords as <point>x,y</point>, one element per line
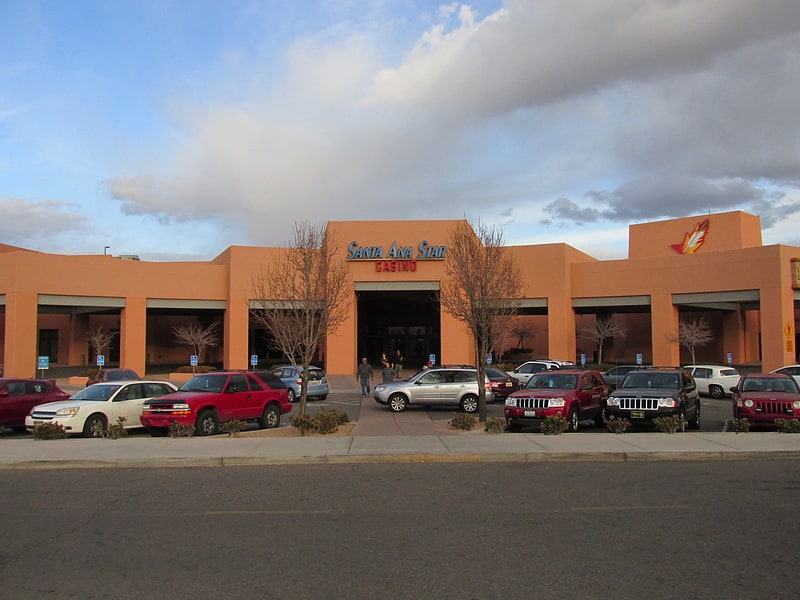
<point>212,398</point>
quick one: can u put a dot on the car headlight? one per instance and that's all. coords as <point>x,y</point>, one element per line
<point>67,412</point>
<point>556,402</point>
<point>748,403</point>
<point>666,402</point>
<point>796,404</point>
<point>379,387</point>
<point>612,401</point>
<point>511,401</point>
<point>180,406</point>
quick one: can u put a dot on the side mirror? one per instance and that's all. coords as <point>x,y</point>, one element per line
<point>733,389</point>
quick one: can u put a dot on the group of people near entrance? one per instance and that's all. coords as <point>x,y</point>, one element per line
<point>391,370</point>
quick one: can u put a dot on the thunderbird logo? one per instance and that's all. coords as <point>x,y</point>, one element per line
<point>692,240</point>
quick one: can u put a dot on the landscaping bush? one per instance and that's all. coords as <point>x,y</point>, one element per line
<point>324,422</point>
<point>554,425</point>
<point>116,430</point>
<point>739,425</point>
<point>198,370</point>
<point>618,426</point>
<point>464,421</point>
<point>233,427</point>
<point>788,425</point>
<point>49,431</point>
<point>670,424</point>
<point>495,425</point>
<point>177,430</point>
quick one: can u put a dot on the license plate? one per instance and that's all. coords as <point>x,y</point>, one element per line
<point>530,413</point>
<point>637,414</point>
<point>508,384</point>
<point>313,381</point>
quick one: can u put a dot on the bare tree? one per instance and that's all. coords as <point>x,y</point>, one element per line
<point>693,334</point>
<point>303,296</point>
<point>198,337</point>
<point>481,289</point>
<point>522,328</point>
<point>100,339</point>
<point>604,328</point>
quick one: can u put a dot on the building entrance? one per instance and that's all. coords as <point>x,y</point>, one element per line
<point>396,320</point>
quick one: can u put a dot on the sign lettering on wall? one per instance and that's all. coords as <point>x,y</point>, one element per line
<point>395,258</point>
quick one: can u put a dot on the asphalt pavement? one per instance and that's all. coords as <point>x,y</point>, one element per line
<point>381,436</point>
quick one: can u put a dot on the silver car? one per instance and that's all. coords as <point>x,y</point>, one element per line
<point>437,386</point>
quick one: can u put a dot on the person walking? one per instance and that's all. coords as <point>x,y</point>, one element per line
<point>388,372</point>
<point>398,364</point>
<point>364,374</point>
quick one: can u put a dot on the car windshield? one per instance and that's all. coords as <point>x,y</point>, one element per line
<point>494,373</point>
<point>559,381</point>
<point>205,383</point>
<point>96,392</point>
<point>669,381</point>
<point>769,384</point>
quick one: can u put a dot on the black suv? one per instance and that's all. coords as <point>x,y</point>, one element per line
<point>656,392</point>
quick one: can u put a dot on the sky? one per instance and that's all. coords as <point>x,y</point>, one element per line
<point>173,129</point>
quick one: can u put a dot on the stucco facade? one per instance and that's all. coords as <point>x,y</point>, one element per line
<point>712,266</point>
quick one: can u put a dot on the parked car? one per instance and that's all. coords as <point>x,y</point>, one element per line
<point>113,375</point>
<point>573,394</point>
<point>212,398</point>
<point>614,376</point>
<point>527,369</point>
<point>792,370</point>
<point>656,392</point>
<point>19,396</point>
<point>502,383</point>
<point>317,382</point>
<point>90,411</point>
<point>714,380</point>
<point>434,386</point>
<point>763,397</point>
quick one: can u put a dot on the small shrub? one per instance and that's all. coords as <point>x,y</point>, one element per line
<point>324,422</point>
<point>116,430</point>
<point>199,369</point>
<point>618,426</point>
<point>670,424</point>
<point>554,425</point>
<point>788,425</point>
<point>233,427</point>
<point>177,430</point>
<point>49,431</point>
<point>463,421</point>
<point>739,425</point>
<point>495,425</point>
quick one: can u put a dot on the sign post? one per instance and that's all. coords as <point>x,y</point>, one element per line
<point>254,360</point>
<point>43,365</point>
<point>193,361</point>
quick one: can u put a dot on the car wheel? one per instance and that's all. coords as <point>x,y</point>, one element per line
<point>716,392</point>
<point>398,402</point>
<point>271,417</point>
<point>207,423</point>
<point>694,423</point>
<point>573,420</point>
<point>157,431</point>
<point>292,395</point>
<point>323,397</point>
<point>469,403</point>
<point>95,426</point>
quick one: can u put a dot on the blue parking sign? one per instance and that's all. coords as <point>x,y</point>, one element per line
<point>43,362</point>
<point>193,360</point>
<point>254,360</point>
<point>101,360</point>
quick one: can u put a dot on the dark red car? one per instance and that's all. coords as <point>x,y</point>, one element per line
<point>113,375</point>
<point>502,383</point>
<point>575,394</point>
<point>212,398</point>
<point>763,397</point>
<point>19,396</point>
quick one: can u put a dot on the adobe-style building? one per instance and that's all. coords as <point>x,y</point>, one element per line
<point>712,267</point>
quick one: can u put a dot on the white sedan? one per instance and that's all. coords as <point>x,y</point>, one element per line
<point>90,411</point>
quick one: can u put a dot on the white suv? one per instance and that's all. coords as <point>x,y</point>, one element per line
<point>714,380</point>
<point>528,369</point>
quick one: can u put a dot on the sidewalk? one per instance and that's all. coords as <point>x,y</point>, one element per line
<point>381,436</point>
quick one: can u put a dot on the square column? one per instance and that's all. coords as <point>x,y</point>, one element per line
<point>133,335</point>
<point>235,338</point>
<point>777,327</point>
<point>561,344</point>
<point>22,334</point>
<point>664,323</point>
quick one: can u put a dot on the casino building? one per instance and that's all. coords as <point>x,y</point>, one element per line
<point>712,266</point>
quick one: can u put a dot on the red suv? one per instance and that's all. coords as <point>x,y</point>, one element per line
<point>573,394</point>
<point>209,399</point>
